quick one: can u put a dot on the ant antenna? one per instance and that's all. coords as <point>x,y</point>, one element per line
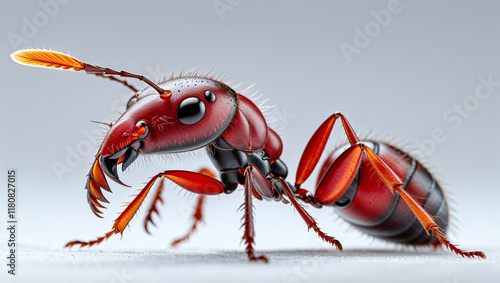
<point>57,60</point>
<point>123,82</point>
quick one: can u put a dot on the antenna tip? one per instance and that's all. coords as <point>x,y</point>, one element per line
<point>46,59</point>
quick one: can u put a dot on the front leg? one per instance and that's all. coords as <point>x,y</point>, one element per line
<point>191,181</point>
<point>197,215</point>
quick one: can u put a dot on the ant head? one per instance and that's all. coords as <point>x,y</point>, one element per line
<point>179,115</point>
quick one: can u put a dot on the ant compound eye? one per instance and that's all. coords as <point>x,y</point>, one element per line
<point>191,111</point>
<point>141,130</point>
<point>131,101</point>
<point>210,96</point>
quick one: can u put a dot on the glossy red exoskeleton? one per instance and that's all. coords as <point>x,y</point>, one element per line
<point>189,112</point>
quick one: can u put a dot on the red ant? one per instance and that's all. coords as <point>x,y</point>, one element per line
<point>190,112</point>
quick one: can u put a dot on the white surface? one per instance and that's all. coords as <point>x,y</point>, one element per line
<point>286,266</point>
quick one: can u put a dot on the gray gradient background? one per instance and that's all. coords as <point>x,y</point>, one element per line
<point>426,60</point>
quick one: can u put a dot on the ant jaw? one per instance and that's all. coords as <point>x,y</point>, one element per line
<point>125,156</point>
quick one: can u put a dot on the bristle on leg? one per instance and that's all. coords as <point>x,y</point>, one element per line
<point>153,209</point>
<point>91,243</point>
<point>435,230</point>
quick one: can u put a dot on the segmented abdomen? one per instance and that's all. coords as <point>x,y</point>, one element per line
<point>372,208</point>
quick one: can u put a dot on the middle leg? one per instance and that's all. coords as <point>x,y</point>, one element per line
<point>249,234</point>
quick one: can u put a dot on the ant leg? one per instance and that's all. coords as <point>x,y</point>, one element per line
<point>249,235</point>
<point>316,146</point>
<point>395,185</point>
<point>197,218</point>
<point>310,221</point>
<point>191,181</point>
<point>340,175</point>
<point>153,209</point>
